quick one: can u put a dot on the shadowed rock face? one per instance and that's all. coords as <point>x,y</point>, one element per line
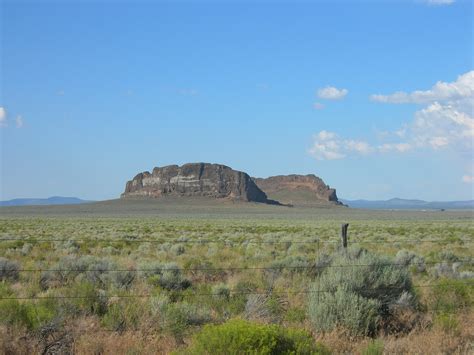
<point>297,189</point>
<point>196,179</point>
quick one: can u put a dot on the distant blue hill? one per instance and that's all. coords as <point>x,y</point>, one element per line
<point>55,200</point>
<point>404,204</point>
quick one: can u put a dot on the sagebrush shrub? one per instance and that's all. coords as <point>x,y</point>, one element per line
<point>168,276</point>
<point>221,291</point>
<point>9,270</point>
<point>345,308</point>
<point>292,264</point>
<point>178,249</point>
<point>100,272</point>
<point>172,278</point>
<point>409,258</point>
<point>176,318</point>
<point>356,292</point>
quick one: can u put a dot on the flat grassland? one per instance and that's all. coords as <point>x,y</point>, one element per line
<point>145,276</point>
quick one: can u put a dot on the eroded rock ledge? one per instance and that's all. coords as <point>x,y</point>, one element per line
<point>195,179</point>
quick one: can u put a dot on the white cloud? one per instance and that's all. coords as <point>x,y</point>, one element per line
<point>318,106</point>
<point>394,147</point>
<point>19,121</point>
<point>461,89</point>
<point>445,123</point>
<point>332,93</point>
<point>439,2</point>
<point>468,179</point>
<point>3,117</point>
<point>329,146</point>
<point>358,146</point>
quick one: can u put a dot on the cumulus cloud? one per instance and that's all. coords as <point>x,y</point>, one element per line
<point>3,117</point>
<point>447,119</point>
<point>462,88</point>
<point>329,146</point>
<point>394,147</point>
<point>445,122</point>
<point>4,121</point>
<point>332,93</point>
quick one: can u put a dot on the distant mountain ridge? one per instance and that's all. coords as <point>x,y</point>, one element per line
<point>405,204</point>
<point>54,200</point>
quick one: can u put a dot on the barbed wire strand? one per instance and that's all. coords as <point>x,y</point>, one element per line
<point>233,292</point>
<point>207,241</point>
<point>278,268</point>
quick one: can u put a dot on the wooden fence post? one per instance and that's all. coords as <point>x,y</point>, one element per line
<point>344,234</point>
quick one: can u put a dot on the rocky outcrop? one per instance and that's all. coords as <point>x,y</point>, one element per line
<point>298,189</point>
<point>196,179</point>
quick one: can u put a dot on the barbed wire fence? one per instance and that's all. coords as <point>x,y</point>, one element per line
<point>318,243</point>
<point>228,243</point>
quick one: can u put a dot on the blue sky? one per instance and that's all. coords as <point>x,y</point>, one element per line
<point>375,97</point>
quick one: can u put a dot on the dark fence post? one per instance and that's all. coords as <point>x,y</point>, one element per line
<point>344,234</point>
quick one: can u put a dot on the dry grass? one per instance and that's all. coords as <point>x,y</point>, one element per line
<point>123,343</point>
<point>424,339</point>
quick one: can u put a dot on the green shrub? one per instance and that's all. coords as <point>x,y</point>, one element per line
<point>359,290</point>
<point>449,296</point>
<point>26,314</point>
<point>122,315</point>
<point>242,337</point>
<point>295,315</point>
<point>91,301</point>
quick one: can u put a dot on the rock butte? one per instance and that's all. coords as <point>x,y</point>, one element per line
<point>298,189</point>
<point>220,181</point>
<point>195,179</point>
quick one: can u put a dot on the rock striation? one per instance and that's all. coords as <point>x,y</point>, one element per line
<point>298,189</point>
<point>195,179</point>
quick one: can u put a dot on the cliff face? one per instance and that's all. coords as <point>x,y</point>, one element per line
<point>196,179</point>
<point>297,189</point>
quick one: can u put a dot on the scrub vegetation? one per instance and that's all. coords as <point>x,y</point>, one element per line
<point>186,284</point>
